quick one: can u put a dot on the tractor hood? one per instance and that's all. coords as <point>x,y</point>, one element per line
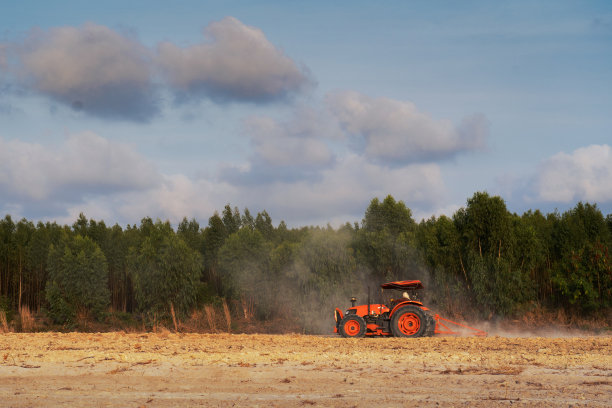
<point>407,284</point>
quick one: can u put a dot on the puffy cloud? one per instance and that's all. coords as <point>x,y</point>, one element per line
<point>90,68</point>
<point>104,73</point>
<point>289,150</point>
<point>585,174</point>
<point>237,62</point>
<point>278,145</point>
<point>174,197</point>
<point>107,180</point>
<point>396,131</point>
<point>86,165</point>
<point>391,132</point>
<point>341,195</point>
<point>344,191</point>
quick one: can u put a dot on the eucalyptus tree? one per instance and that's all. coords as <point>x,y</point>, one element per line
<point>583,276</point>
<point>24,231</point>
<point>78,280</point>
<point>386,241</point>
<point>165,271</point>
<point>231,219</point>
<point>493,254</point>
<point>190,232</point>
<point>263,224</point>
<point>244,262</point>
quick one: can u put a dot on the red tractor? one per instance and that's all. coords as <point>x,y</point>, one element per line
<point>402,315</point>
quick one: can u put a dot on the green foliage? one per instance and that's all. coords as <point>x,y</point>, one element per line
<point>77,280</point>
<point>323,275</point>
<point>439,243</point>
<point>497,287</point>
<point>190,232</point>
<point>324,261</point>
<point>231,220</point>
<point>6,307</point>
<point>263,224</point>
<point>390,215</point>
<point>485,224</point>
<point>244,264</point>
<point>386,242</point>
<point>582,277</point>
<point>165,270</point>
<point>483,259</point>
<point>214,237</point>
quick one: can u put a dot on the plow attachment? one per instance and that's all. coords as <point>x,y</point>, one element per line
<point>442,328</point>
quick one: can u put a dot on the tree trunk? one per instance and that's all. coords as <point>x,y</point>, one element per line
<point>464,272</point>
<point>20,273</point>
<point>173,317</point>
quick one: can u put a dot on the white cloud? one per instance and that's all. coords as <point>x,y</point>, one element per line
<point>174,197</point>
<point>237,62</point>
<point>398,132</point>
<point>109,181</point>
<point>344,191</point>
<point>289,150</point>
<point>86,164</point>
<point>91,68</point>
<point>107,74</point>
<point>585,174</point>
<point>341,194</point>
<point>277,145</point>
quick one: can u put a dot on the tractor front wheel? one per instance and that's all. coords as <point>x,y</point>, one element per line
<point>408,321</point>
<point>352,325</point>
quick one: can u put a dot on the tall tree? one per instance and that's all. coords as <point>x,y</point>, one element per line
<point>263,224</point>
<point>582,240</point>
<point>165,270</point>
<point>386,241</point>
<point>231,220</point>
<point>189,231</point>
<point>78,280</point>
<point>23,235</point>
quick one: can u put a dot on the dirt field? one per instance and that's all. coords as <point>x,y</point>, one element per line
<point>222,370</point>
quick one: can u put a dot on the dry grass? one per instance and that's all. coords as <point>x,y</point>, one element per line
<point>3,323</point>
<point>228,316</point>
<point>540,317</point>
<point>210,316</point>
<point>28,323</point>
<point>248,307</point>
<point>83,319</point>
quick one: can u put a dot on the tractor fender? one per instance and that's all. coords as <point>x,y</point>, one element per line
<point>338,316</point>
<point>407,302</point>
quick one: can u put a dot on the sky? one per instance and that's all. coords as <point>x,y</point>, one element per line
<point>128,109</point>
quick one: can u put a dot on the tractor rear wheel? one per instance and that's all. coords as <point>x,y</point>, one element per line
<point>352,325</point>
<point>409,321</point>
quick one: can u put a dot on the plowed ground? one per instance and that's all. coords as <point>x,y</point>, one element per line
<point>222,370</point>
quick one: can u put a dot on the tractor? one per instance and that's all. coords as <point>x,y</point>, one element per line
<point>402,315</point>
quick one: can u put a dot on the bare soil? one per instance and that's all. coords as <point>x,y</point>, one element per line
<point>224,370</point>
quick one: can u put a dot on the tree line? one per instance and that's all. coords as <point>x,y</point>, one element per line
<point>483,260</point>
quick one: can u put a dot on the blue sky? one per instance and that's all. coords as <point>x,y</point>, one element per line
<point>126,109</point>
